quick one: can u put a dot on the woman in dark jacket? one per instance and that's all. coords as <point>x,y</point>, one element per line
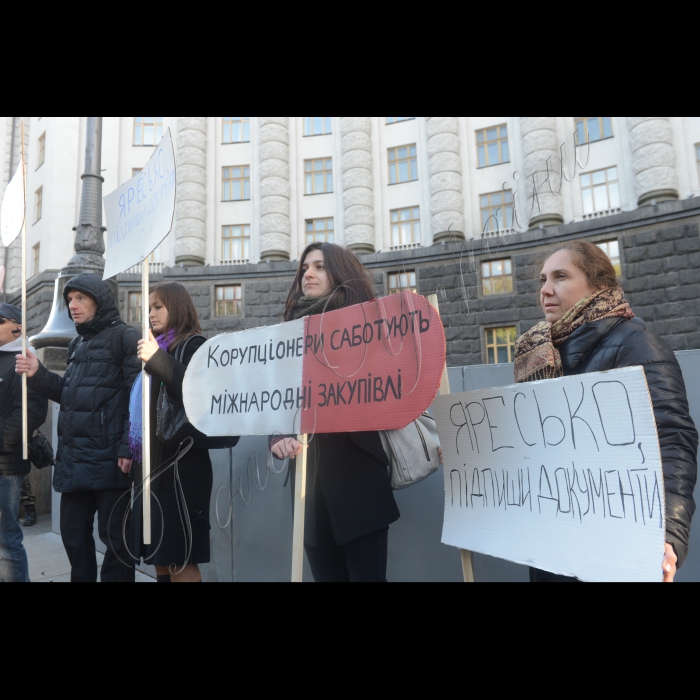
<point>590,327</point>
<point>182,493</point>
<point>350,504</point>
<point>93,431</point>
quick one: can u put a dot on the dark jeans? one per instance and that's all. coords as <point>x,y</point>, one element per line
<point>360,561</point>
<point>14,567</point>
<point>77,522</point>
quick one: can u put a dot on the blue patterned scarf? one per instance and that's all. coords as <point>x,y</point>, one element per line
<point>136,404</point>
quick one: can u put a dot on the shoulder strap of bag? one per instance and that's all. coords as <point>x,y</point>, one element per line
<point>180,352</point>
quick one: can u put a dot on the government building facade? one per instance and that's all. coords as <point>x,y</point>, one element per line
<point>465,207</point>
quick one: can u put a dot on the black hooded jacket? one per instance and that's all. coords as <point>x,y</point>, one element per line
<point>93,428</point>
<point>11,462</point>
<point>616,343</point>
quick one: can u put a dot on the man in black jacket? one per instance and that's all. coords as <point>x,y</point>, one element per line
<point>13,469</point>
<point>93,429</point>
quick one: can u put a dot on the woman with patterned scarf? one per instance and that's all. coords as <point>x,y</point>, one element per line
<point>590,327</point>
<point>350,504</point>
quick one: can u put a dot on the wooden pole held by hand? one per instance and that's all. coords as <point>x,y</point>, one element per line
<point>146,410</point>
<point>300,512</point>
<point>467,557</point>
<point>25,426</point>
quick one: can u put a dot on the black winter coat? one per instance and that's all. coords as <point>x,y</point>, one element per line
<point>93,428</point>
<point>616,343</point>
<point>351,470</point>
<point>11,462</point>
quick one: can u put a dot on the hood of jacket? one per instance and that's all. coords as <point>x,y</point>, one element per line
<point>107,311</point>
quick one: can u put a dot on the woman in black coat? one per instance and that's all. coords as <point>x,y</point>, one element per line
<point>350,504</point>
<point>183,493</point>
<point>590,327</point>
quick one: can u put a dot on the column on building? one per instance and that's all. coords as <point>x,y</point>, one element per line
<point>358,183</point>
<point>446,185</point>
<point>653,159</point>
<point>275,189</point>
<point>191,206</point>
<point>539,144</point>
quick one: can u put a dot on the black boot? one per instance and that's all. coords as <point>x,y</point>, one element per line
<point>29,516</point>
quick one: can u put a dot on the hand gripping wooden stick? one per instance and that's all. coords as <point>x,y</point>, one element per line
<point>467,557</point>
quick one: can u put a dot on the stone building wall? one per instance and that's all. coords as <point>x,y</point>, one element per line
<point>660,249</point>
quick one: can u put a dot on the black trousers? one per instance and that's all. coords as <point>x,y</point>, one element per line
<point>77,522</point>
<point>360,561</point>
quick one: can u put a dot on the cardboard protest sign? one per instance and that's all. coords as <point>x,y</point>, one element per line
<point>374,366</point>
<point>563,475</point>
<point>140,213</point>
<point>12,216</point>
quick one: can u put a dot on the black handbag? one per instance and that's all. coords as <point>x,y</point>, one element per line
<point>41,452</point>
<point>172,425</point>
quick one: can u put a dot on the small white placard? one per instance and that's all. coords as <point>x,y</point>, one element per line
<point>140,214</point>
<point>563,475</point>
<point>12,216</point>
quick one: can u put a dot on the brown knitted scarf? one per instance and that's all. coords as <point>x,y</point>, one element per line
<point>311,306</point>
<point>536,353</point>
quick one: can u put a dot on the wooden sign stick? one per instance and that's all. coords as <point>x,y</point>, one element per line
<point>467,557</point>
<point>25,426</point>
<point>300,512</point>
<point>146,407</point>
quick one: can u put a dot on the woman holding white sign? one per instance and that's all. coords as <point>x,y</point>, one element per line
<point>350,504</point>
<point>590,327</point>
<point>182,493</point>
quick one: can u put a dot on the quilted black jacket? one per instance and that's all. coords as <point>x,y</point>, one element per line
<point>93,429</point>
<point>616,343</point>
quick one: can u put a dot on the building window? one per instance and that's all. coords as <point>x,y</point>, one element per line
<point>236,183</point>
<point>41,151</point>
<point>320,231</point>
<point>492,146</point>
<point>612,250</point>
<point>235,245</point>
<point>403,164</point>
<point>229,300</point>
<point>500,345</point>
<point>134,310</point>
<point>36,250</point>
<point>148,131</point>
<point>396,120</point>
<point>497,277</point>
<point>592,129</point>
<point>236,130</point>
<point>318,126</point>
<point>403,282</point>
<point>601,191</point>
<point>39,204</point>
<point>405,227</point>
<point>319,176</point>
<point>497,211</point>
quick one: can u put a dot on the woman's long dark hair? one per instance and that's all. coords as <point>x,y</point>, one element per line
<point>182,314</point>
<point>346,274</point>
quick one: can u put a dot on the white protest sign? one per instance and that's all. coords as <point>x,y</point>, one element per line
<point>140,213</point>
<point>563,475</point>
<point>12,217</point>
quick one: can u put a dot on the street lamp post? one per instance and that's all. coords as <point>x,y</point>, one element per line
<point>89,243</point>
